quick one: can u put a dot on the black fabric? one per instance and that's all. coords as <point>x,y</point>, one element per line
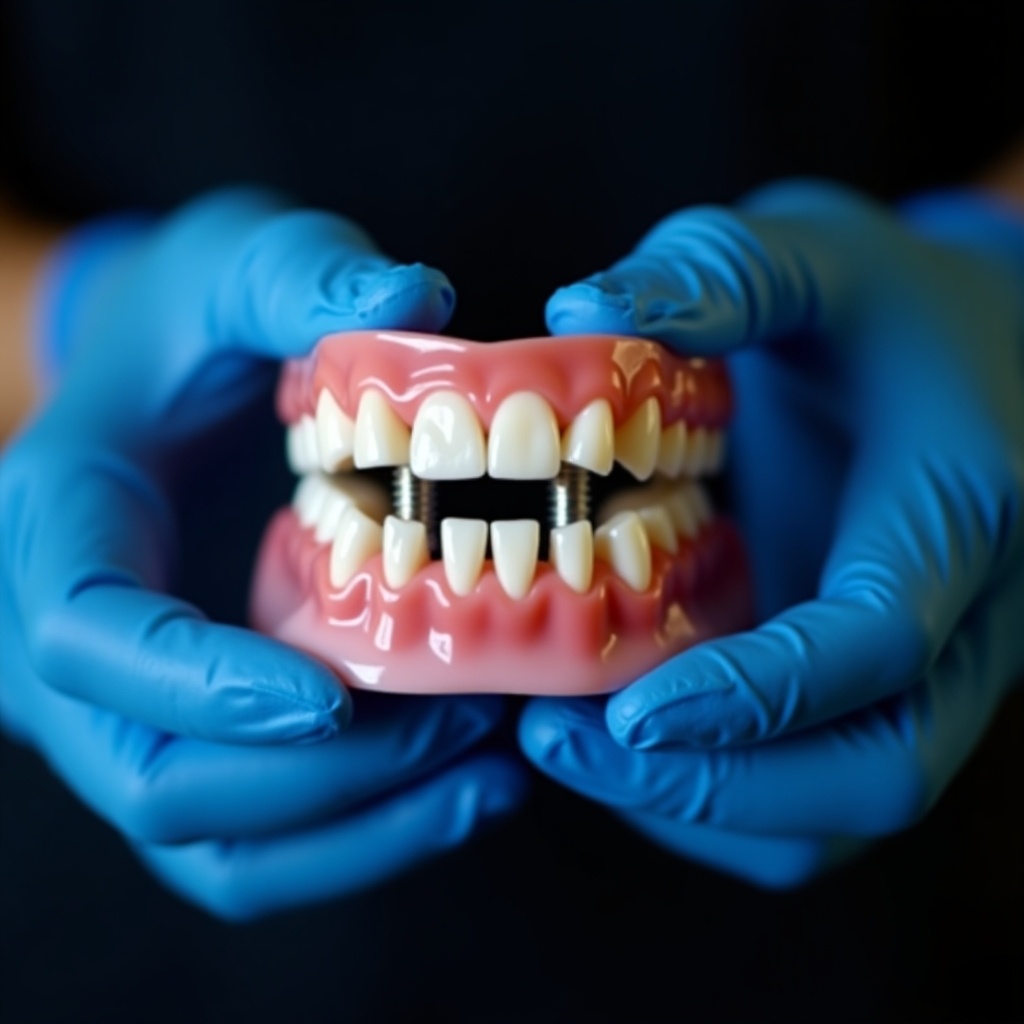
<point>515,145</point>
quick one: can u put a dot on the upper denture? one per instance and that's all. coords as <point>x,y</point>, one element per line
<point>569,373</point>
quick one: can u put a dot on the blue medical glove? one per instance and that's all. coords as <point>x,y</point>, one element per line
<point>877,470</point>
<point>227,758</point>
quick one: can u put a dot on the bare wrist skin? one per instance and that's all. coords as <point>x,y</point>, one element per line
<point>25,245</point>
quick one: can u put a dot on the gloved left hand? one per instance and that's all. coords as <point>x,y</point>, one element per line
<point>228,759</point>
<point>878,471</point>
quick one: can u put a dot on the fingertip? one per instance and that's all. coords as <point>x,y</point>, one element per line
<point>597,305</point>
<point>674,706</point>
<point>403,296</point>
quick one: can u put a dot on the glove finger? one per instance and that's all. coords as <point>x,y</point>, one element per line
<point>709,280</point>
<point>870,774</point>
<point>765,861</point>
<point>164,789</point>
<point>307,273</point>
<point>241,880</point>
<point>93,629</point>
<point>911,554</point>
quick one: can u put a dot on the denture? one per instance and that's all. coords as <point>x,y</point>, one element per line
<point>485,568</point>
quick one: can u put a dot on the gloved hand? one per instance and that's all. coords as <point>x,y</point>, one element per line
<point>227,758</point>
<point>877,470</point>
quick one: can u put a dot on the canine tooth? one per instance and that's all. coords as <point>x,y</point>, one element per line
<point>447,439</point>
<point>622,543</point>
<point>301,446</point>
<point>636,441</point>
<point>381,438</point>
<point>514,547</point>
<point>572,554</point>
<point>660,530</point>
<point>716,451</point>
<point>358,538</point>
<point>680,508</point>
<point>309,498</point>
<point>589,441</point>
<point>335,433</point>
<point>524,443</point>
<point>405,550</point>
<point>672,449</point>
<point>463,544</point>
<point>341,494</point>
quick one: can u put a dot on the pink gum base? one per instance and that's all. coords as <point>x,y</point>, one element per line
<point>569,371</point>
<point>423,639</point>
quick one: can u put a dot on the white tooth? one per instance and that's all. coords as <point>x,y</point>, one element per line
<point>345,492</point>
<point>716,452</point>
<point>660,530</point>
<point>358,538</point>
<point>335,434</point>
<point>696,454</point>
<point>672,449</point>
<point>700,503</point>
<point>636,441</point>
<point>632,499</point>
<point>514,547</point>
<point>405,550</point>
<point>589,441</point>
<point>622,543</point>
<point>381,438</point>
<point>572,554</point>
<point>309,498</point>
<point>447,439</point>
<point>684,515</point>
<point>463,544</point>
<point>523,443</point>
<point>301,446</point>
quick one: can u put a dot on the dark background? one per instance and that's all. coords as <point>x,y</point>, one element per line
<point>516,146</point>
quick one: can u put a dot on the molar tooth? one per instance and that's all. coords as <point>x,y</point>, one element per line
<point>405,550</point>
<point>716,451</point>
<point>680,508</point>
<point>589,441</point>
<point>572,554</point>
<point>358,538</point>
<point>524,443</point>
<point>463,544</point>
<point>672,449</point>
<point>301,446</point>
<point>636,441</point>
<point>622,542</point>
<point>696,454</point>
<point>660,530</point>
<point>340,494</point>
<point>335,434</point>
<point>309,498</point>
<point>700,502</point>
<point>381,438</point>
<point>514,547</point>
<point>632,499</point>
<point>447,439</point>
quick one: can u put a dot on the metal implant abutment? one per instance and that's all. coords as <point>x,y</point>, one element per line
<point>569,496</point>
<point>413,497</point>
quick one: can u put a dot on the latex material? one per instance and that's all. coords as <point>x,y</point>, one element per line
<point>174,728</point>
<point>878,476</point>
<point>517,627</point>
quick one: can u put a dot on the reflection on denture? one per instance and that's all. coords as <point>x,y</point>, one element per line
<point>396,599</point>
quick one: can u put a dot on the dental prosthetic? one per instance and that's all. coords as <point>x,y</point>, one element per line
<point>547,528</point>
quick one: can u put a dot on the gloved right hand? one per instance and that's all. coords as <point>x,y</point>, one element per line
<point>227,759</point>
